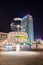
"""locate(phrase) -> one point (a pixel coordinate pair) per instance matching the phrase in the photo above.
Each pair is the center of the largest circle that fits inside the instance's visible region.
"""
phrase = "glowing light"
(18, 26)
(18, 47)
(24, 17)
(22, 53)
(20, 19)
(18, 36)
(30, 17)
(8, 47)
(12, 24)
(40, 40)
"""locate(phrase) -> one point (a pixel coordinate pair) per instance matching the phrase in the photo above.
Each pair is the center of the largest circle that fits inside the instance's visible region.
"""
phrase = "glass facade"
(27, 26)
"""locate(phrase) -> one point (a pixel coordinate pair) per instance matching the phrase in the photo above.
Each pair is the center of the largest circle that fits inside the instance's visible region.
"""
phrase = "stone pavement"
(23, 58)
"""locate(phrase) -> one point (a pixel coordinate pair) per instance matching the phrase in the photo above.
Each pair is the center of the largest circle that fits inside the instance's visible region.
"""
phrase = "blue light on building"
(27, 25)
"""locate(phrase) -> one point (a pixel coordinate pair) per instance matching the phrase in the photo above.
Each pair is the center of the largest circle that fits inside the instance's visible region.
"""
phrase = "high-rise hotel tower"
(27, 26)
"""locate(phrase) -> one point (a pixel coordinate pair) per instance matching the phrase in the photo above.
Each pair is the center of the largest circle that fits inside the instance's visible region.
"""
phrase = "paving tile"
(6, 59)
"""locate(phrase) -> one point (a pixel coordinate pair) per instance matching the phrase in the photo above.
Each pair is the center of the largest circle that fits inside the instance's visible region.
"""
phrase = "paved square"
(21, 58)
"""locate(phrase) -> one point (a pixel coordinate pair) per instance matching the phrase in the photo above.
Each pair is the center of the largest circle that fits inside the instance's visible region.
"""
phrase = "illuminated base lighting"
(22, 53)
(9, 47)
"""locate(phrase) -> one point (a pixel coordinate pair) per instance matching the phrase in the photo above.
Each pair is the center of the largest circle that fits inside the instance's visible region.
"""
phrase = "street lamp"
(18, 26)
(18, 45)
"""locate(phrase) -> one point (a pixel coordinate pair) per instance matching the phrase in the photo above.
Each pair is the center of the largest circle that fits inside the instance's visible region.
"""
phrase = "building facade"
(27, 26)
(3, 36)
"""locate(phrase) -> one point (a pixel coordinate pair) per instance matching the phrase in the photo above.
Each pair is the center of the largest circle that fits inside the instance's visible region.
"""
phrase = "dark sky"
(12, 9)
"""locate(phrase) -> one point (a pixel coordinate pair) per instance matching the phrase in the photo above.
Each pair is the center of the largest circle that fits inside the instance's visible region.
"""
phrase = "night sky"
(16, 8)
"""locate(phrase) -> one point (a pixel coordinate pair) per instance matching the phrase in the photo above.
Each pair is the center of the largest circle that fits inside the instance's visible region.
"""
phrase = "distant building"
(14, 24)
(3, 36)
(21, 32)
(27, 26)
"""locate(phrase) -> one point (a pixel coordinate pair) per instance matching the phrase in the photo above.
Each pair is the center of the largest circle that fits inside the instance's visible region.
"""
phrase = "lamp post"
(18, 45)
(18, 26)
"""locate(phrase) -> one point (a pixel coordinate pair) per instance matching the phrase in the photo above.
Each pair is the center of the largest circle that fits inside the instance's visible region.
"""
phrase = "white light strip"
(20, 19)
